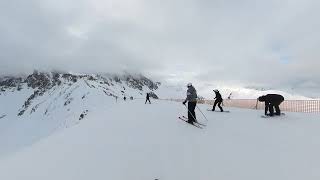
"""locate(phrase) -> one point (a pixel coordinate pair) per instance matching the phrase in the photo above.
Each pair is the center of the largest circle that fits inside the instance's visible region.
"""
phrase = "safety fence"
(306, 106)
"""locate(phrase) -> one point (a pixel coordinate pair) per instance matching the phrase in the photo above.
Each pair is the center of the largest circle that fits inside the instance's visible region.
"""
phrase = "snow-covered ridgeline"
(35, 106)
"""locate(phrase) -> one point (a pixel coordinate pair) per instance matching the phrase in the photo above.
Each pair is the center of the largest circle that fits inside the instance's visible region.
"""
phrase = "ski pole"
(202, 113)
(190, 113)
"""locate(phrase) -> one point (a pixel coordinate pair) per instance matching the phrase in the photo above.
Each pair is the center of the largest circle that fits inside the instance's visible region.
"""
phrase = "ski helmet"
(189, 84)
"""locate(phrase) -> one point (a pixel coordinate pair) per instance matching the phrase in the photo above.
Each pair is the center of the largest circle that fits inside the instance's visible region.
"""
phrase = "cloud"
(272, 43)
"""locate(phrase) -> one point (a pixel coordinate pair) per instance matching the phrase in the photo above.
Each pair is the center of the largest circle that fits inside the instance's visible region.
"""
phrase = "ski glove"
(184, 102)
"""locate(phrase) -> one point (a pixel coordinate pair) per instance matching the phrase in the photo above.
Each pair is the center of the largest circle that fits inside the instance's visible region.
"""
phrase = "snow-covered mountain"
(44, 94)
(35, 106)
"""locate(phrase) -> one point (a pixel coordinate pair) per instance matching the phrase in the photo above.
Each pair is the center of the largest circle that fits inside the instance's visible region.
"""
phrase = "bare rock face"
(10, 83)
(71, 77)
(138, 82)
(153, 95)
(41, 81)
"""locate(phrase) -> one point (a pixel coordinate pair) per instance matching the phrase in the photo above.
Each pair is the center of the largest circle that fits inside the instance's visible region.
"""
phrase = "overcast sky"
(273, 43)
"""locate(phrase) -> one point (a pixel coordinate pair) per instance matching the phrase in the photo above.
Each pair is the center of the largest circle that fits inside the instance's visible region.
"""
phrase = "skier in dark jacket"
(148, 98)
(272, 101)
(218, 101)
(192, 103)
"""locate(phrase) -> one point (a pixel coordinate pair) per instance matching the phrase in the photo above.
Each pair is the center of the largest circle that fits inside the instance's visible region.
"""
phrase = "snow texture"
(131, 140)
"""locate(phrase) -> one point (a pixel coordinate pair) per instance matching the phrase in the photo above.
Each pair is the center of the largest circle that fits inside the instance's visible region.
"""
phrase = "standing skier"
(192, 103)
(271, 101)
(218, 100)
(148, 98)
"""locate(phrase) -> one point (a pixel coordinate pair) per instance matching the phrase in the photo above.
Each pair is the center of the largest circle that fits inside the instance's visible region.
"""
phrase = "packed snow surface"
(137, 141)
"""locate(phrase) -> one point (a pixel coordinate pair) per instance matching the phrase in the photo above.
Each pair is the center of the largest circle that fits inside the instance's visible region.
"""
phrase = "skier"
(124, 98)
(192, 103)
(271, 101)
(229, 97)
(148, 98)
(218, 100)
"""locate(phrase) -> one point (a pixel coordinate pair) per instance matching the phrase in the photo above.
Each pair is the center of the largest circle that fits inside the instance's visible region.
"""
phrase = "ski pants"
(275, 106)
(191, 112)
(147, 101)
(217, 102)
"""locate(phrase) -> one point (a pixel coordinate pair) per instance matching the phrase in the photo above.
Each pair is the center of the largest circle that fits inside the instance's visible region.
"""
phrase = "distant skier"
(218, 100)
(271, 101)
(192, 103)
(148, 99)
(124, 98)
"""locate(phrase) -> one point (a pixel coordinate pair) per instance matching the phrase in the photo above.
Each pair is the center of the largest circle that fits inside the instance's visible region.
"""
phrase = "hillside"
(131, 140)
(34, 106)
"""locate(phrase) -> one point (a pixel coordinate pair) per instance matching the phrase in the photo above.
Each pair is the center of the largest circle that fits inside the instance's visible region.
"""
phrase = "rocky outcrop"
(10, 83)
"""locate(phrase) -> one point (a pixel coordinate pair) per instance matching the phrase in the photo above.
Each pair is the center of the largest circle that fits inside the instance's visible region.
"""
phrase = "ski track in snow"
(133, 140)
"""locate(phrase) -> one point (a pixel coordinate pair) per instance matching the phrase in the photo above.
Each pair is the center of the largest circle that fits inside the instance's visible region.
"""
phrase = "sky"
(265, 43)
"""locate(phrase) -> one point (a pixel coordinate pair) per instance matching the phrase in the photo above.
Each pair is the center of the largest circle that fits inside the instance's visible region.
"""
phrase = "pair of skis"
(196, 124)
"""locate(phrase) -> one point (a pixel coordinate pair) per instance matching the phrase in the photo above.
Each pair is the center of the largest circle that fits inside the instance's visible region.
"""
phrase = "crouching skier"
(271, 101)
(192, 103)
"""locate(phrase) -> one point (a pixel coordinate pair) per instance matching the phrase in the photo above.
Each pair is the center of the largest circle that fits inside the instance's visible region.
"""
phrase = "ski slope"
(131, 140)
(35, 107)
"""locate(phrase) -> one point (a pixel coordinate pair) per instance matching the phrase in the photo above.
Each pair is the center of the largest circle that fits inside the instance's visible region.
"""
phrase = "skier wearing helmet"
(192, 103)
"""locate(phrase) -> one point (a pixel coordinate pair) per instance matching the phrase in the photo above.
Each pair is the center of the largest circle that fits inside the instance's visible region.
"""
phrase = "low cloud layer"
(269, 43)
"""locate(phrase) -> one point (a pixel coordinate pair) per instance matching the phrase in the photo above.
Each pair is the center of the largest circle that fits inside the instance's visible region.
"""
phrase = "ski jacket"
(273, 99)
(218, 96)
(191, 94)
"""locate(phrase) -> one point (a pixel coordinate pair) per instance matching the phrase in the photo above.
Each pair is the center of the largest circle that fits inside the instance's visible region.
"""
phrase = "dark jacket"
(148, 96)
(218, 96)
(273, 99)
(191, 94)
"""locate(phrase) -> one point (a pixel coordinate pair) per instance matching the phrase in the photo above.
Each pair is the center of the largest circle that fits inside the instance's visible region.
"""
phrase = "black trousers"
(217, 102)
(147, 101)
(191, 112)
(275, 106)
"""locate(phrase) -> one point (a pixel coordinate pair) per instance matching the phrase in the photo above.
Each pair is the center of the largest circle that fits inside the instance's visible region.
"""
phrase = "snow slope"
(35, 106)
(131, 140)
